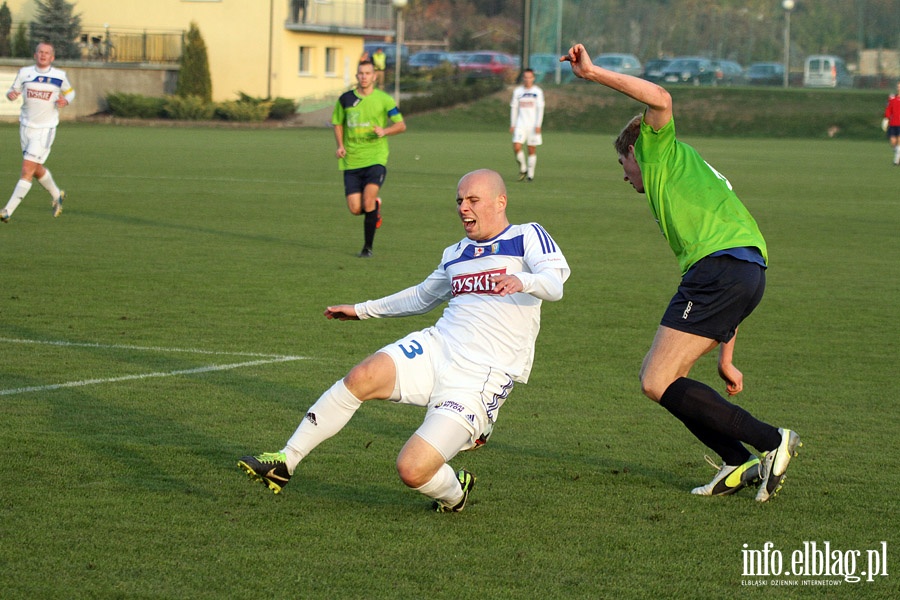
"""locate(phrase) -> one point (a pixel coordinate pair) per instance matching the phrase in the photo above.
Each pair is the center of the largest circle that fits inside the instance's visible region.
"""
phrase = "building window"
(304, 60)
(331, 57)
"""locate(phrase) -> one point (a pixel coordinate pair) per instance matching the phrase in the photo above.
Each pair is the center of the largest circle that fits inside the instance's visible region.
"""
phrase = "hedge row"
(194, 108)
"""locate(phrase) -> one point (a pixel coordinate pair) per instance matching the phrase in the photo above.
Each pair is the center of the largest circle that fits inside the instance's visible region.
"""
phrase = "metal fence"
(370, 14)
(123, 46)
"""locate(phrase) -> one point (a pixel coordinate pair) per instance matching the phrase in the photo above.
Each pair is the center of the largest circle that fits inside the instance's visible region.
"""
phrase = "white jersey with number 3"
(478, 323)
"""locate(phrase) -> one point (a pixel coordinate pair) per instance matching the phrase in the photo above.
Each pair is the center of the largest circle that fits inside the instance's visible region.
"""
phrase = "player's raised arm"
(657, 99)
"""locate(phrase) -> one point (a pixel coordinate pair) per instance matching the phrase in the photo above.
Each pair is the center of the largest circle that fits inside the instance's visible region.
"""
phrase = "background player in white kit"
(526, 116)
(46, 89)
(462, 368)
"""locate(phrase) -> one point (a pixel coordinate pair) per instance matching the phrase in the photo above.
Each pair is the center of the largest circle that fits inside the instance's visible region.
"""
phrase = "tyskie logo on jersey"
(40, 94)
(475, 283)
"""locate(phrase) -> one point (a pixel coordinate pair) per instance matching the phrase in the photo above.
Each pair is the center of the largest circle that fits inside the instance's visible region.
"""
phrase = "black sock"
(732, 451)
(701, 404)
(369, 221)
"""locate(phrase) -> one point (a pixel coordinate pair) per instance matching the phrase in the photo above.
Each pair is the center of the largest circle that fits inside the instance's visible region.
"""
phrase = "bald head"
(481, 204)
(486, 179)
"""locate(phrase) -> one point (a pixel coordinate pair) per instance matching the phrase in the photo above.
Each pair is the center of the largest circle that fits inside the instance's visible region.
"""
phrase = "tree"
(5, 30)
(21, 48)
(193, 76)
(56, 23)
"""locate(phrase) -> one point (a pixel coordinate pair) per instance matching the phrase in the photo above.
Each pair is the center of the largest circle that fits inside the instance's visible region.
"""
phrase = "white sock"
(326, 417)
(520, 158)
(49, 184)
(532, 161)
(444, 486)
(897, 154)
(22, 188)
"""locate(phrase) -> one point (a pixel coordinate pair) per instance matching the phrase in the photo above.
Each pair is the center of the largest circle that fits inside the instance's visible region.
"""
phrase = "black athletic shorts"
(715, 295)
(355, 180)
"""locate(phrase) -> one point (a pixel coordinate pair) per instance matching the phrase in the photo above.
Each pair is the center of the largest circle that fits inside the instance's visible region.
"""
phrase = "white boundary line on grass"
(264, 360)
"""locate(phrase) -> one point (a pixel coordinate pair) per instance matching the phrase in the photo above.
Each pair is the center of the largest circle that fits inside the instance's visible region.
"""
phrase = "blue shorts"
(355, 180)
(893, 131)
(715, 296)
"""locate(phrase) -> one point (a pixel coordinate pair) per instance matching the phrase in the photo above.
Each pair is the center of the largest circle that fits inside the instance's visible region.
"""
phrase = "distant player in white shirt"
(45, 89)
(462, 368)
(526, 115)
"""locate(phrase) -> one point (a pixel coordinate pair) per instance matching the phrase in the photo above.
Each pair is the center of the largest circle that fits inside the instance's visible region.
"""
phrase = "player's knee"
(411, 473)
(651, 387)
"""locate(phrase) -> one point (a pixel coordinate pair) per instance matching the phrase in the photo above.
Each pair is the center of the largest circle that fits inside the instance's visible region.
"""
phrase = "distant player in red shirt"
(891, 123)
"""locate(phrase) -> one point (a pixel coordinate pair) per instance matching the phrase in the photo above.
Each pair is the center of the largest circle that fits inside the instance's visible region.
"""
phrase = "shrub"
(240, 110)
(188, 108)
(135, 106)
(280, 108)
(283, 108)
(451, 91)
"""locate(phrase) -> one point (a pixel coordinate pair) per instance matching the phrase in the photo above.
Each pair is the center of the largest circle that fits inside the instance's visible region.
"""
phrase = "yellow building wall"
(250, 50)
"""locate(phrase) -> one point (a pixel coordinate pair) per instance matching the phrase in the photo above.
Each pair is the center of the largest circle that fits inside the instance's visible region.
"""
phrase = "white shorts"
(527, 136)
(429, 375)
(36, 142)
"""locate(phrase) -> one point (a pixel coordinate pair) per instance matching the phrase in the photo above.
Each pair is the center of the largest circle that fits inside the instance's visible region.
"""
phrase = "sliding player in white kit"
(462, 368)
(45, 89)
(526, 116)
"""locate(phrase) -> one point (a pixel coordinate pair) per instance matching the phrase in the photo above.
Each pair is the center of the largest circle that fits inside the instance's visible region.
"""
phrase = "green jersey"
(360, 115)
(696, 209)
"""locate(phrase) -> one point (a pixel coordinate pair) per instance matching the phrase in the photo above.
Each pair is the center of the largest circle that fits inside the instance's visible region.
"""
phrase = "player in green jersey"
(362, 119)
(723, 260)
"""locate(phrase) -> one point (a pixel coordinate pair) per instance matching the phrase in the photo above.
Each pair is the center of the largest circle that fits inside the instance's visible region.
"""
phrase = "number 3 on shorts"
(416, 349)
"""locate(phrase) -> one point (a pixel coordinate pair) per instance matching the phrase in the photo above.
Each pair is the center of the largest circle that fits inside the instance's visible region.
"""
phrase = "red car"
(488, 63)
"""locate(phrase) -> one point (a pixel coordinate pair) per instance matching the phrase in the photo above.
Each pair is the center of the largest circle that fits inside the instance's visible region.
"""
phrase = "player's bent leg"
(422, 464)
(370, 197)
(671, 356)
(373, 378)
(354, 203)
(417, 465)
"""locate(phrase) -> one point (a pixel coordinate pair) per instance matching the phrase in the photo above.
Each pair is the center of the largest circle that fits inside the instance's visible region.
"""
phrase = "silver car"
(620, 63)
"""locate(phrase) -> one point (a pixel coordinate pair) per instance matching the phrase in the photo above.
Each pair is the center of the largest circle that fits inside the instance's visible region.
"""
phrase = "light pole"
(398, 55)
(559, 9)
(788, 6)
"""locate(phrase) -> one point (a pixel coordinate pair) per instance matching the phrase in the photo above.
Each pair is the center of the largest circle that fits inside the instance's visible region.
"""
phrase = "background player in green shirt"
(362, 119)
(723, 260)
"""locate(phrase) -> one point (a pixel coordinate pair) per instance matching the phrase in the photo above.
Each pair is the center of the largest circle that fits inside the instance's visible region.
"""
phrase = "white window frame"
(332, 55)
(304, 60)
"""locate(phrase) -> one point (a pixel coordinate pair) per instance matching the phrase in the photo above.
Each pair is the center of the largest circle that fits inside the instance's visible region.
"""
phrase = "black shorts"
(715, 295)
(355, 180)
(893, 131)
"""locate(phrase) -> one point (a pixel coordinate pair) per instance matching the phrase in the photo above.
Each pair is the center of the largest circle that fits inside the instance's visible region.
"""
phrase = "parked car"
(620, 63)
(653, 69)
(488, 63)
(765, 74)
(459, 57)
(824, 70)
(728, 72)
(545, 65)
(688, 69)
(428, 59)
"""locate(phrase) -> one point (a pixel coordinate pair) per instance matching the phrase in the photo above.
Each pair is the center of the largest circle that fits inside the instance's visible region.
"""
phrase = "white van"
(824, 70)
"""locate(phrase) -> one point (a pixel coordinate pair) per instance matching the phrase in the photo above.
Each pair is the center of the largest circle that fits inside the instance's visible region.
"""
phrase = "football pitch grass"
(170, 321)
